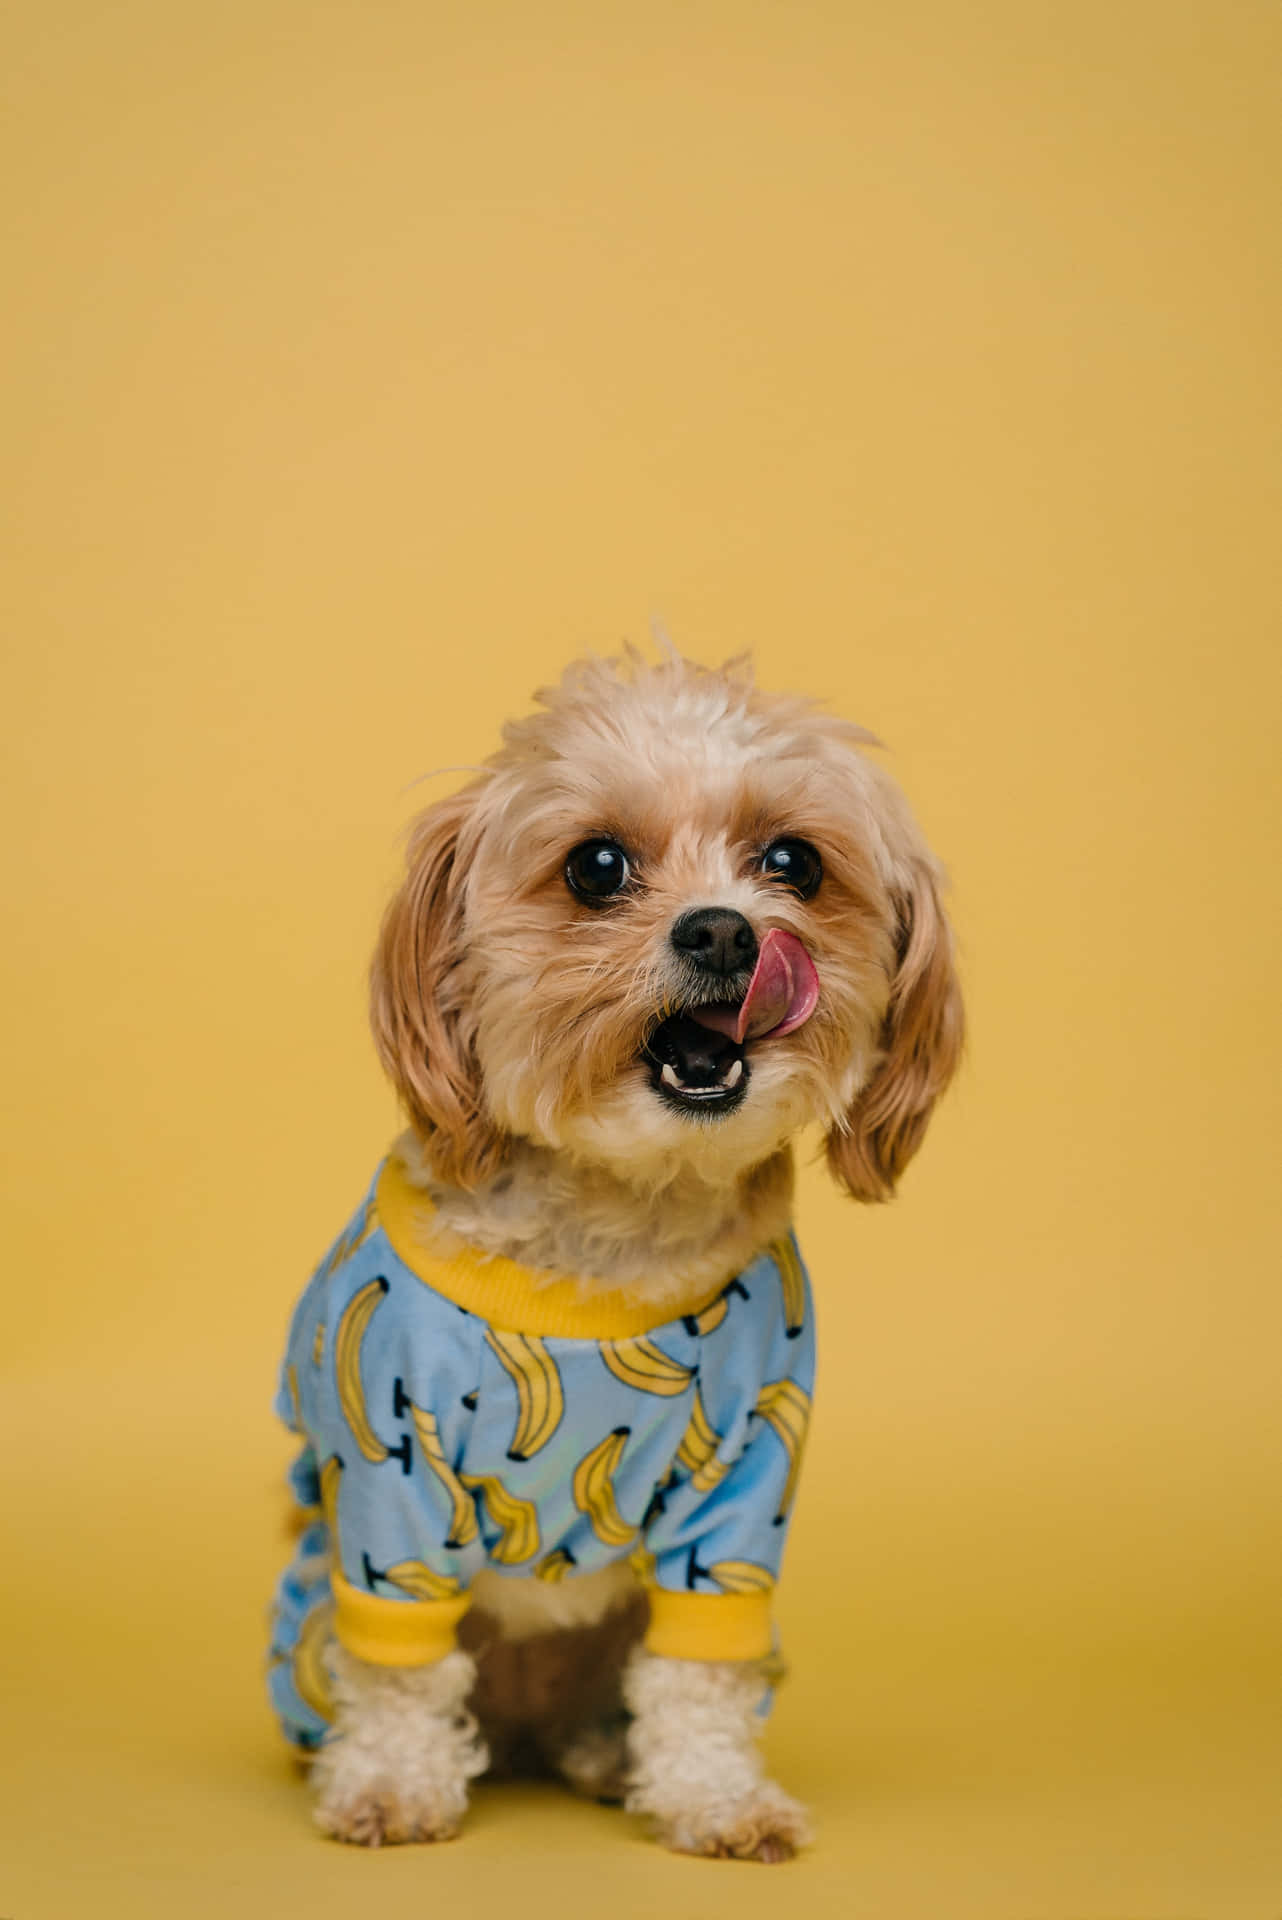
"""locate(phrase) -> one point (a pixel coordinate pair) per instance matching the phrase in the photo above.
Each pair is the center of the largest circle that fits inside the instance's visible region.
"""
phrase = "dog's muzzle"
(698, 1057)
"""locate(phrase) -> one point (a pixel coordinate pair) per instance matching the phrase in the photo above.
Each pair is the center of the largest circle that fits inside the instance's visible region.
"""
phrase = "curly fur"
(505, 1012)
(402, 1750)
(511, 1020)
(694, 1763)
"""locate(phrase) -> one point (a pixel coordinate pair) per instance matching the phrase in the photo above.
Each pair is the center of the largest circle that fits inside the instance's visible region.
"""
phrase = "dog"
(553, 1379)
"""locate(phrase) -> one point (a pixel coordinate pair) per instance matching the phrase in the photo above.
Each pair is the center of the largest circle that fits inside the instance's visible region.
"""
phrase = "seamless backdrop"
(364, 364)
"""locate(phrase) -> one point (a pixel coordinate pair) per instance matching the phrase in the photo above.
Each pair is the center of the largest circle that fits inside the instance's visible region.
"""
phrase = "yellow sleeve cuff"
(395, 1633)
(709, 1626)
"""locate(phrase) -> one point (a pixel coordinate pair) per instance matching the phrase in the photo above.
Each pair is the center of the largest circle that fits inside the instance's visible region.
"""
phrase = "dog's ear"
(418, 1002)
(921, 1042)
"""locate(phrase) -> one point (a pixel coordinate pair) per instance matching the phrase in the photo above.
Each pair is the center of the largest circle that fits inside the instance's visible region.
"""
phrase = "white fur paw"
(696, 1769)
(387, 1795)
(765, 1824)
(378, 1812)
(396, 1767)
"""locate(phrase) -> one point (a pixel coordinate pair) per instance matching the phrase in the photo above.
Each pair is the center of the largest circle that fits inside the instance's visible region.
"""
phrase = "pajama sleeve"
(372, 1380)
(715, 1542)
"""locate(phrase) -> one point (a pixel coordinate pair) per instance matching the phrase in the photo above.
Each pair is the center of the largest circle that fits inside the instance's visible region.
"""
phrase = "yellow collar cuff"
(512, 1298)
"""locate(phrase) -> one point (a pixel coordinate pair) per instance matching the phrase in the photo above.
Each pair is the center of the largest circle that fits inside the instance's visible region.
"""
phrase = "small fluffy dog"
(553, 1379)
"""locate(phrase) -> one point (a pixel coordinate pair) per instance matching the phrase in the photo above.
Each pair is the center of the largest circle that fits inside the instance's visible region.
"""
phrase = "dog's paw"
(766, 1825)
(376, 1811)
(396, 1767)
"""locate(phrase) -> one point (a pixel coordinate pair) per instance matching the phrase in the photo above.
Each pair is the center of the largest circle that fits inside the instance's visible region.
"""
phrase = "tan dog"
(674, 920)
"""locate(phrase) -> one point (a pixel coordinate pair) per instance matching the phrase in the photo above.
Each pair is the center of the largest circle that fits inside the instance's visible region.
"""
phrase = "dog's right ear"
(418, 1004)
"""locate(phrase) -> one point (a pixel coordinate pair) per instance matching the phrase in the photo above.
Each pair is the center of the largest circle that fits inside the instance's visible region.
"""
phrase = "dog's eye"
(596, 871)
(795, 863)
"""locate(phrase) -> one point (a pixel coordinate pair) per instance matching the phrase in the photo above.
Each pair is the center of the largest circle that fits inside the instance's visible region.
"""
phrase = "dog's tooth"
(669, 1078)
(735, 1074)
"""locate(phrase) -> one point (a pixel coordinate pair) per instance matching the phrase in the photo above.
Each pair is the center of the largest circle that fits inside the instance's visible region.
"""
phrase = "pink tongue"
(782, 994)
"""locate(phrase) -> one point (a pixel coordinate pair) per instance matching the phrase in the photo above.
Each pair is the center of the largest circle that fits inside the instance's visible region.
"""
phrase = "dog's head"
(675, 919)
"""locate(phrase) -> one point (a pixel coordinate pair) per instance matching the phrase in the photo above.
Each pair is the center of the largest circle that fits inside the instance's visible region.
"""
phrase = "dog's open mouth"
(694, 1068)
(697, 1056)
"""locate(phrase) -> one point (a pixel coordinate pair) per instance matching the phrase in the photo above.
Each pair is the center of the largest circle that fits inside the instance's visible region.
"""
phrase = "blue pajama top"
(460, 1411)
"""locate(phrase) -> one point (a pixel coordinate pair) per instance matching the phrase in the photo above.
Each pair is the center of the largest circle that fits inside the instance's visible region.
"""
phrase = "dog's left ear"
(921, 1043)
(418, 1003)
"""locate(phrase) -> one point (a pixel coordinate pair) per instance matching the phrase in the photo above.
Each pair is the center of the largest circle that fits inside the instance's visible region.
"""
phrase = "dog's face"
(675, 919)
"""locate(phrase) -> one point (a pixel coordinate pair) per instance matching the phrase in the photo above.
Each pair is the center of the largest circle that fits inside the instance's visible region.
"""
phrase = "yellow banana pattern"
(330, 1475)
(698, 1450)
(675, 1409)
(295, 1404)
(594, 1489)
(643, 1564)
(710, 1319)
(784, 1255)
(555, 1566)
(641, 1364)
(356, 1236)
(518, 1519)
(741, 1576)
(462, 1524)
(348, 1336)
(785, 1407)
(415, 1577)
(540, 1400)
(311, 1676)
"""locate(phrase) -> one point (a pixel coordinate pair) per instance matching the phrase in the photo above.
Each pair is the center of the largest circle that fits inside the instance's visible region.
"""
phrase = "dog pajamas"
(460, 1412)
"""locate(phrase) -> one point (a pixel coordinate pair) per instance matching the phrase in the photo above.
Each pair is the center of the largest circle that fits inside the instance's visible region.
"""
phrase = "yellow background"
(367, 362)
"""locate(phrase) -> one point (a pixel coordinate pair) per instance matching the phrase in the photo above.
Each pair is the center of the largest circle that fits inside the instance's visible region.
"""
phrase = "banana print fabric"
(436, 1443)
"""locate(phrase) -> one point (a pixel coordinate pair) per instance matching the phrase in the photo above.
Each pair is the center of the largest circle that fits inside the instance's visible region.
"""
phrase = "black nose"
(716, 939)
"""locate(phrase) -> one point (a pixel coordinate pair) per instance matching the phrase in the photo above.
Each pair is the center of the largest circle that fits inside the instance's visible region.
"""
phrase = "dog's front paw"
(404, 1747)
(765, 1824)
(359, 1800)
(695, 1766)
